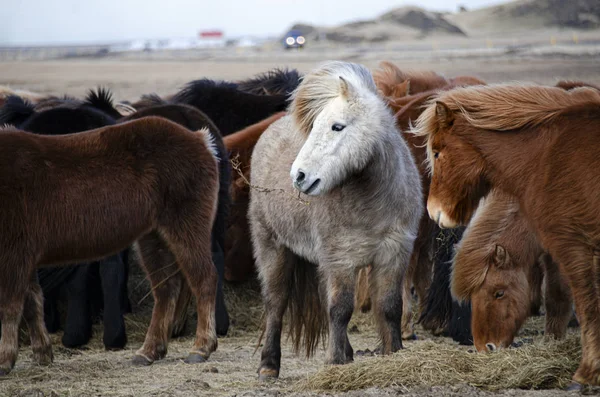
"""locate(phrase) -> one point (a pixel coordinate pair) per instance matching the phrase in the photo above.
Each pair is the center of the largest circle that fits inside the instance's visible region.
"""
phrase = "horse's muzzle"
(305, 183)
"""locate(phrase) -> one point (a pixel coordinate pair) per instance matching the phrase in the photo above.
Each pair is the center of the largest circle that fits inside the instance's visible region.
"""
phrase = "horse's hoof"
(267, 374)
(4, 371)
(574, 386)
(365, 353)
(195, 358)
(141, 361)
(412, 336)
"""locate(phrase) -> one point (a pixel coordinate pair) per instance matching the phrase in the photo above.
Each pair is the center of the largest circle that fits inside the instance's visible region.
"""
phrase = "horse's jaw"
(439, 216)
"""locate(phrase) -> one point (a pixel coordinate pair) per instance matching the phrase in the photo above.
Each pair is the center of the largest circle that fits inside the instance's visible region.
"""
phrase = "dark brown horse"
(194, 120)
(149, 180)
(538, 144)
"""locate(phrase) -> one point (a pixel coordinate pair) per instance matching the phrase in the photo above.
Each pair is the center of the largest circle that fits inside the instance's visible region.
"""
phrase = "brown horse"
(497, 267)
(239, 263)
(150, 181)
(395, 83)
(538, 144)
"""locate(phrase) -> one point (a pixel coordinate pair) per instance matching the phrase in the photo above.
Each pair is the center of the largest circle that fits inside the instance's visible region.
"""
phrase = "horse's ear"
(501, 257)
(346, 88)
(444, 115)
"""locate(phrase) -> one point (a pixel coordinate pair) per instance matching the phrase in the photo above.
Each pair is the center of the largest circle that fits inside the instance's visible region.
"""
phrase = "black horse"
(442, 312)
(273, 82)
(224, 103)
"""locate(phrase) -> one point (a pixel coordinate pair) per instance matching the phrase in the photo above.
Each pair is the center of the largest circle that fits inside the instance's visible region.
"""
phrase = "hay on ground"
(540, 365)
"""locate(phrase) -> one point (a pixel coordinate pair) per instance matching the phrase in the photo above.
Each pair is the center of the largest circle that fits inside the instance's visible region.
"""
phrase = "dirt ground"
(231, 370)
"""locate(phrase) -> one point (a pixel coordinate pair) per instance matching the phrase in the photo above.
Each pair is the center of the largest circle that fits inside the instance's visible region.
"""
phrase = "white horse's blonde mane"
(321, 86)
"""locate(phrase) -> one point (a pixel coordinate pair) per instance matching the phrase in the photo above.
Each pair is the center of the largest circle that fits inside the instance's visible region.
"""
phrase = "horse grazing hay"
(540, 365)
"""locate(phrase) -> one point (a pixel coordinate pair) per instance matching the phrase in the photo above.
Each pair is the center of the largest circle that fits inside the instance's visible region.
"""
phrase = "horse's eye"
(337, 127)
(436, 155)
(499, 294)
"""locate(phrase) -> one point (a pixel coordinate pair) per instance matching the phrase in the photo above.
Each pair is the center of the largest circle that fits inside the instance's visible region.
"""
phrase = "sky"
(31, 22)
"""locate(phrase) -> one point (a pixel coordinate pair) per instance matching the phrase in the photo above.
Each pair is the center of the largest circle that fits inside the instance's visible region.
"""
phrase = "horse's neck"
(382, 177)
(510, 157)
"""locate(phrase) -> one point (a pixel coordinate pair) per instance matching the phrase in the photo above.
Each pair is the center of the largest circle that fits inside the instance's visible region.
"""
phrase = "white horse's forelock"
(322, 85)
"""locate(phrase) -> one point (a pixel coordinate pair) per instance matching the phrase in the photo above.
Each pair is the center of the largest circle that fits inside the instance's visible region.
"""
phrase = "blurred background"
(141, 46)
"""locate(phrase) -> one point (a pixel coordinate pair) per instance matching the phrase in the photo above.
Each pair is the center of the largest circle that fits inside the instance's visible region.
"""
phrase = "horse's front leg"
(558, 300)
(387, 284)
(275, 275)
(112, 273)
(578, 266)
(33, 314)
(78, 327)
(221, 314)
(340, 304)
(12, 299)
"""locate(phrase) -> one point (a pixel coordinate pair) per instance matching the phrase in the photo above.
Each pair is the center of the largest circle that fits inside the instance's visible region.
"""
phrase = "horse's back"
(103, 187)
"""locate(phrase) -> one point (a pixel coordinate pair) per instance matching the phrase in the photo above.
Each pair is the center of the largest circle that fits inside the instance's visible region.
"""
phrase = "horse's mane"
(273, 82)
(388, 75)
(322, 85)
(16, 110)
(478, 244)
(102, 99)
(196, 88)
(505, 107)
(57, 101)
(571, 84)
(6, 91)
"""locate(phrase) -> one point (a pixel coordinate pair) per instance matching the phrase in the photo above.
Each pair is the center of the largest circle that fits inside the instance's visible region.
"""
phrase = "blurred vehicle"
(294, 39)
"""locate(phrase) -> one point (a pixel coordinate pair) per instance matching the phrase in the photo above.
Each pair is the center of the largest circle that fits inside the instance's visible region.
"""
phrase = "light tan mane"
(502, 107)
(322, 85)
(478, 244)
(505, 107)
(6, 91)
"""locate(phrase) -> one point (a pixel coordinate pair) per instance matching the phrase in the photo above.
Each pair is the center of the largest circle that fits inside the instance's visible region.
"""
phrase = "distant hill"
(415, 23)
(401, 23)
(530, 14)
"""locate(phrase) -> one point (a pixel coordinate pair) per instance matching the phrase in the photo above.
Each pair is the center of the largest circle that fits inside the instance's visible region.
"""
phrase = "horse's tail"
(16, 110)
(180, 316)
(307, 314)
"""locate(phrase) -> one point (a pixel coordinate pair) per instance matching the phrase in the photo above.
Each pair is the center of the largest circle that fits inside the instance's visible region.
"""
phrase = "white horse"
(365, 202)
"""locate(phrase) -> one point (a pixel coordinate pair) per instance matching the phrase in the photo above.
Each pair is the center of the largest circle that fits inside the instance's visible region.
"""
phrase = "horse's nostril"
(490, 346)
(300, 177)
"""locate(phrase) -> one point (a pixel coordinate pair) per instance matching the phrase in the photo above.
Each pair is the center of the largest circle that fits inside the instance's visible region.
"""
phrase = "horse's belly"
(92, 229)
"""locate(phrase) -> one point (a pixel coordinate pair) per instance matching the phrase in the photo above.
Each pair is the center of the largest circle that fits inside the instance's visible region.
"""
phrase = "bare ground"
(231, 370)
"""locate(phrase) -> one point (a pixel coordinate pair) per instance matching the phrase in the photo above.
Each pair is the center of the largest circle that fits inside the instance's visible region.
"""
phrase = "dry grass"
(540, 365)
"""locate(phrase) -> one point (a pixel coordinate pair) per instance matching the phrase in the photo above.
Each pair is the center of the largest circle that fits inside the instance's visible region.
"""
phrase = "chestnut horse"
(158, 187)
(239, 263)
(538, 144)
(497, 266)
